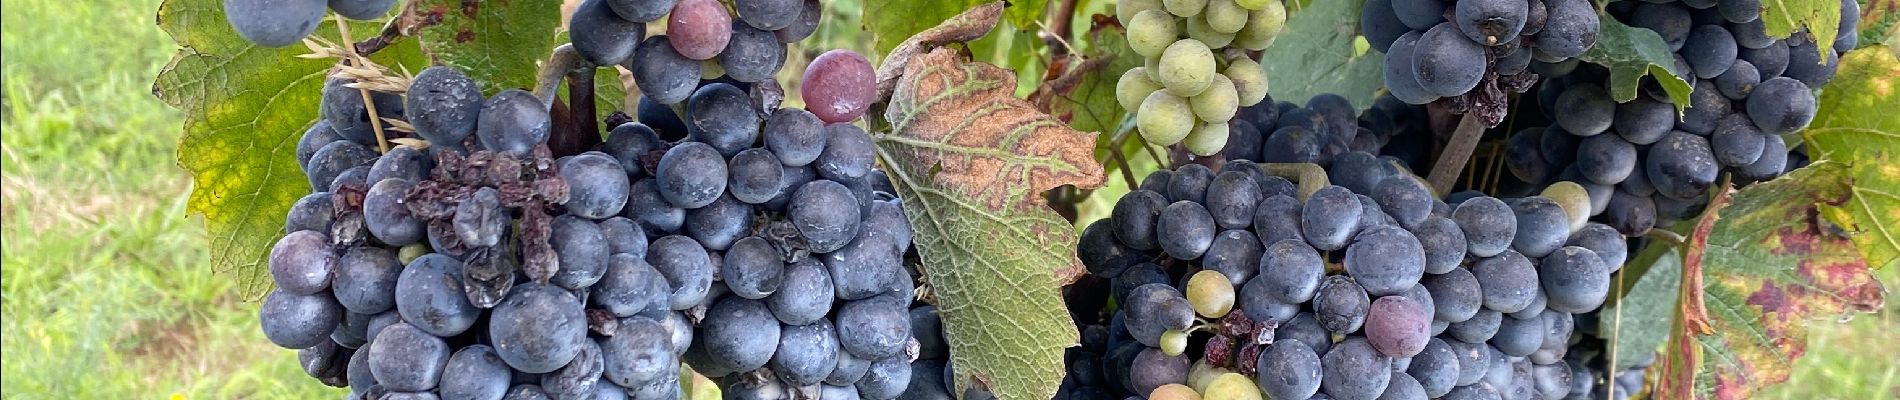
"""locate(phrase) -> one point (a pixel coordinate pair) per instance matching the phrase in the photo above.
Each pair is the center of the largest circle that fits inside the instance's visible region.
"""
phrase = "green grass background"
(105, 287)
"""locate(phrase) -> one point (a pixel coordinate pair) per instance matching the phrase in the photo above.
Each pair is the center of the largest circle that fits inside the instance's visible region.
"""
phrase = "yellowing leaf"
(1856, 126)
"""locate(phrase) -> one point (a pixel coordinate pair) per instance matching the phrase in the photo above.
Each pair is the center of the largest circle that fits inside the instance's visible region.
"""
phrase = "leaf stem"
(369, 104)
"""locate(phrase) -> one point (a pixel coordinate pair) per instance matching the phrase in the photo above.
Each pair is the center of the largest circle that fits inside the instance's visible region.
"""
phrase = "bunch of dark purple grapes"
(1475, 53)
(1219, 281)
(1645, 164)
(761, 247)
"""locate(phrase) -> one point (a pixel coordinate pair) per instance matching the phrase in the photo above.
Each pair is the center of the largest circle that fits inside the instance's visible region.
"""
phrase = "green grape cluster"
(1197, 71)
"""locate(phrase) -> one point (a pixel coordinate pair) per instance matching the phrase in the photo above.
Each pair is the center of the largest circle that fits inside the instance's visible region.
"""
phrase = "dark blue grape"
(1354, 370)
(303, 262)
(753, 54)
(639, 353)
(404, 358)
(1231, 199)
(1575, 279)
(752, 268)
(848, 154)
(815, 211)
(333, 159)
(274, 23)
(687, 267)
(1436, 369)
(1385, 260)
(1488, 224)
(662, 73)
(514, 122)
(1235, 254)
(755, 176)
(1419, 15)
(873, 328)
(1508, 281)
(1477, 330)
(1341, 304)
(721, 115)
(577, 379)
(805, 296)
(719, 224)
(795, 135)
(297, 321)
(538, 328)
(1330, 217)
(807, 23)
(1447, 63)
(1571, 27)
(630, 287)
(475, 372)
(739, 334)
(885, 379)
(651, 210)
(444, 105)
(597, 186)
(806, 354)
(629, 143)
(1491, 22)
(1282, 213)
(1710, 50)
(1456, 294)
(581, 249)
(1443, 242)
(1682, 165)
(429, 294)
(691, 175)
(1290, 370)
(601, 35)
(366, 280)
(641, 10)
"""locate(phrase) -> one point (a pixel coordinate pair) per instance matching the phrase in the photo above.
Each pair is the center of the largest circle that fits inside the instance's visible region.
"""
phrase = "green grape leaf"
(892, 22)
(971, 162)
(1632, 53)
(1315, 54)
(1637, 322)
(245, 107)
(495, 43)
(1821, 18)
(1771, 266)
(1855, 125)
(1091, 105)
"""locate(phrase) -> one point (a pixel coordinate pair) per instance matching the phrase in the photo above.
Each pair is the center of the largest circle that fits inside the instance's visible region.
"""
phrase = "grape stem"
(1310, 176)
(375, 121)
(392, 31)
(565, 63)
(1452, 160)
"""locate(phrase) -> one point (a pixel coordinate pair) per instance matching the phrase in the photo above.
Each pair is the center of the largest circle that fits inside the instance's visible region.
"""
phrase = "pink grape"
(839, 86)
(699, 29)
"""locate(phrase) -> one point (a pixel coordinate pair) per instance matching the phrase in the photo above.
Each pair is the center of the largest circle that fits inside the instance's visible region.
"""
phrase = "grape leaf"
(1315, 54)
(1770, 267)
(1637, 322)
(1091, 106)
(1631, 53)
(971, 162)
(1855, 126)
(892, 22)
(496, 43)
(245, 107)
(1821, 18)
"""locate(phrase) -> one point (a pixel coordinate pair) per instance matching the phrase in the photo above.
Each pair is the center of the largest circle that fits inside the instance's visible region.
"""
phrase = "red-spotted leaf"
(971, 162)
(1771, 267)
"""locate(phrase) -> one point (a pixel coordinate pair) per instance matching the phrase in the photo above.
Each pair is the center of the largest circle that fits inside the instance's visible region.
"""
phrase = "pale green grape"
(1174, 391)
(1225, 16)
(1184, 8)
(1202, 374)
(1232, 386)
(1574, 200)
(1263, 26)
(1125, 10)
(1211, 294)
(1218, 103)
(1207, 139)
(1164, 119)
(1255, 4)
(1250, 80)
(1151, 32)
(1134, 86)
(1198, 29)
(1173, 342)
(1187, 67)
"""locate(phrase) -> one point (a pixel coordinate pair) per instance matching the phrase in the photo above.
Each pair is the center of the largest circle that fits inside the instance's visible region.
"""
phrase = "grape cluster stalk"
(495, 252)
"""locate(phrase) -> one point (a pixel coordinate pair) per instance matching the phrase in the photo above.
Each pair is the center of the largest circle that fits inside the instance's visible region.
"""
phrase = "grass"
(107, 289)
(105, 286)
